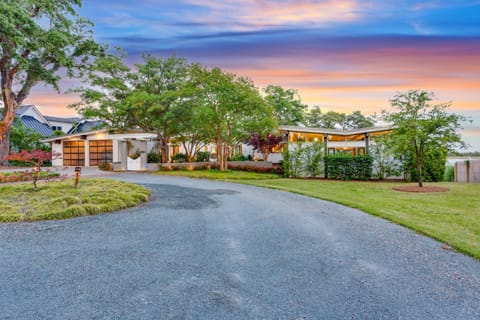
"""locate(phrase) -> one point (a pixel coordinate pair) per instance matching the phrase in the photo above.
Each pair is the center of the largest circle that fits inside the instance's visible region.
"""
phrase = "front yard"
(59, 200)
(451, 217)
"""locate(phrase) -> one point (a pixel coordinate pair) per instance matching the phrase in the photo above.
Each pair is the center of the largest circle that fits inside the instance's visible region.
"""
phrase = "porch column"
(367, 142)
(325, 140)
(87, 153)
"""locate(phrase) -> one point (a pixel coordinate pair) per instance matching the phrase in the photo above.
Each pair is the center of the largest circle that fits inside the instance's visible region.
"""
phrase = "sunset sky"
(341, 55)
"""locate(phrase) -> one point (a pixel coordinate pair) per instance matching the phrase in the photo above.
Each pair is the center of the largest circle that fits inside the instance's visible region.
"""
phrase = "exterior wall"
(467, 171)
(57, 152)
(65, 125)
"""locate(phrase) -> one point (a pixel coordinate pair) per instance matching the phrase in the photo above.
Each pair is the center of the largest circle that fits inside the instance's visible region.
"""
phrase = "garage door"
(101, 151)
(74, 153)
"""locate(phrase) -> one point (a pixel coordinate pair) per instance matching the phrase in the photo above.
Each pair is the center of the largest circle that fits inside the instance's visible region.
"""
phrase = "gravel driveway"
(212, 250)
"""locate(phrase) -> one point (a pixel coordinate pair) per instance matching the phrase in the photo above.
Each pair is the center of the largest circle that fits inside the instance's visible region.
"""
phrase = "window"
(101, 151)
(361, 151)
(74, 153)
(56, 128)
(331, 151)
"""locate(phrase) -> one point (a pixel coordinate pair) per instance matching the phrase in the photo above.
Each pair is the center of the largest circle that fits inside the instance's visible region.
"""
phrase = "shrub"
(238, 157)
(179, 158)
(202, 156)
(347, 167)
(105, 166)
(153, 157)
(449, 174)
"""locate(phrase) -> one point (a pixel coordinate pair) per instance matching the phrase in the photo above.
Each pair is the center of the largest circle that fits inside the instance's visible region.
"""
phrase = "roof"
(35, 125)
(131, 134)
(22, 109)
(335, 131)
(63, 119)
(86, 126)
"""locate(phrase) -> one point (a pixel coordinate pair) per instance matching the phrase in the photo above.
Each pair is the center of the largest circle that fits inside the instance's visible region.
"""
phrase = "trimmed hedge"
(346, 167)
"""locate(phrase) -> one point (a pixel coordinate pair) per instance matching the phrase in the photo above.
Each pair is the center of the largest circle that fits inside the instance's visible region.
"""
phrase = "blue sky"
(341, 55)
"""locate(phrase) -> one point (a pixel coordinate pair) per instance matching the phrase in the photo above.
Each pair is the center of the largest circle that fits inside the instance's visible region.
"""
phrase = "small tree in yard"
(264, 144)
(385, 162)
(38, 157)
(421, 128)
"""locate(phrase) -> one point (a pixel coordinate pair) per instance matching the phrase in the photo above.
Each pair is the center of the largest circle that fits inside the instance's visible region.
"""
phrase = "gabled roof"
(35, 125)
(63, 119)
(335, 131)
(23, 110)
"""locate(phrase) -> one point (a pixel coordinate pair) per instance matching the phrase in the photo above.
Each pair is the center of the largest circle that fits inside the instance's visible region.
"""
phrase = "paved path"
(212, 250)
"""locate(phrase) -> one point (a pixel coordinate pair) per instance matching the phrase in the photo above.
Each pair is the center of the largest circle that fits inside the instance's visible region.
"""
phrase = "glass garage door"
(101, 151)
(73, 153)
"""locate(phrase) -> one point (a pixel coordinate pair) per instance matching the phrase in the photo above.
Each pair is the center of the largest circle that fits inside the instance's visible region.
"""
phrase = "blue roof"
(35, 125)
(86, 126)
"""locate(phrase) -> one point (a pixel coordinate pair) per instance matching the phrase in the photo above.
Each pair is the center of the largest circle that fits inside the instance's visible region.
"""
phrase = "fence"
(467, 171)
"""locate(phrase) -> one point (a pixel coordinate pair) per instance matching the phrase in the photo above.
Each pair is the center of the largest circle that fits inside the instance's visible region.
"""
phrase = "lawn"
(451, 217)
(59, 200)
(213, 174)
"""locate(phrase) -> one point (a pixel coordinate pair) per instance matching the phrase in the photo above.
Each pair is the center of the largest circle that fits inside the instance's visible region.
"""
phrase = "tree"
(22, 138)
(313, 117)
(146, 97)
(356, 120)
(230, 107)
(385, 162)
(287, 106)
(421, 127)
(264, 143)
(38, 39)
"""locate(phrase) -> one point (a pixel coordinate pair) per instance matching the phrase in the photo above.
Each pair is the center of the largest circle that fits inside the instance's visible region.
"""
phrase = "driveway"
(212, 250)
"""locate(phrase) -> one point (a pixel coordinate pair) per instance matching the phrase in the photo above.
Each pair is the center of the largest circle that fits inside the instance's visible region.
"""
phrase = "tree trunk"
(226, 153)
(419, 168)
(220, 154)
(5, 148)
(164, 152)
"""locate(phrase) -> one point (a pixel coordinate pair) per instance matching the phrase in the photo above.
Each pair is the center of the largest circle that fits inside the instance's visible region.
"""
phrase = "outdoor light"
(77, 172)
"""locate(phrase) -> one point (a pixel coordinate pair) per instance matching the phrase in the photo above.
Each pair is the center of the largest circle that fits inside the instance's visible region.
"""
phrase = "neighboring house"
(61, 123)
(86, 126)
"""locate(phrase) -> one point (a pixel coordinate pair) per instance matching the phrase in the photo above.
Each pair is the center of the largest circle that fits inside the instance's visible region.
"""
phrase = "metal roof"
(86, 126)
(35, 125)
(63, 119)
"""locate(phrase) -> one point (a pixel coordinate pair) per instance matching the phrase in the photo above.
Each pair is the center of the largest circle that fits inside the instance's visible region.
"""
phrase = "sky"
(340, 55)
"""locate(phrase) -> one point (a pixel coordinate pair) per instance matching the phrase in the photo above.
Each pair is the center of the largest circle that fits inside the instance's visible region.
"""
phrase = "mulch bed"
(424, 189)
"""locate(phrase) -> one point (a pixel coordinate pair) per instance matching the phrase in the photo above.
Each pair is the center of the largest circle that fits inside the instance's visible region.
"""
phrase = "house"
(354, 142)
(61, 123)
(100, 146)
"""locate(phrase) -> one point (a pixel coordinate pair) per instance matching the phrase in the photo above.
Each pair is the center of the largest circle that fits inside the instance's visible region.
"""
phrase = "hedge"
(346, 167)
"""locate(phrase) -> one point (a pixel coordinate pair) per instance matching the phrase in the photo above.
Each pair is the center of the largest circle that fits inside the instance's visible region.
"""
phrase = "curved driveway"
(212, 250)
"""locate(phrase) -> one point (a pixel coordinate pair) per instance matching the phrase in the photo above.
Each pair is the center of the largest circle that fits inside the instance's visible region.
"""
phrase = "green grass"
(59, 200)
(213, 174)
(451, 217)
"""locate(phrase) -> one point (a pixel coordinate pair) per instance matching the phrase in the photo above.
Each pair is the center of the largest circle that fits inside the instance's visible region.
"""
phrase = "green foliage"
(202, 156)
(238, 157)
(385, 162)
(335, 120)
(153, 157)
(302, 159)
(215, 174)
(179, 157)
(22, 138)
(449, 174)
(59, 200)
(422, 129)
(38, 39)
(345, 167)
(286, 103)
(434, 164)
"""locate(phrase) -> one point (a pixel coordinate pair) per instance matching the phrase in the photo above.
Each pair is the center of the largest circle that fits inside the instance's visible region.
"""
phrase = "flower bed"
(25, 175)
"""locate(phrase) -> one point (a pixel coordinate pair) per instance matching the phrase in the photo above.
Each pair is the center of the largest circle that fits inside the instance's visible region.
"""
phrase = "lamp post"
(36, 175)
(77, 172)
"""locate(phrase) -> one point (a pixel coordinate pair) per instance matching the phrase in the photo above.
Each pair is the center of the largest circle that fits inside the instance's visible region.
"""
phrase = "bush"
(449, 174)
(202, 156)
(179, 158)
(347, 167)
(434, 163)
(303, 159)
(238, 157)
(153, 157)
(250, 168)
(106, 166)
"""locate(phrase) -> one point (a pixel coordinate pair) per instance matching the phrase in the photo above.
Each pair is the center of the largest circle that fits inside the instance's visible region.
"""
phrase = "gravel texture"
(212, 250)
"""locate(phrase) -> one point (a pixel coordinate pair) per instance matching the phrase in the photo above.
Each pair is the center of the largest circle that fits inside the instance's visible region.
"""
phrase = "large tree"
(39, 38)
(230, 108)
(337, 120)
(421, 127)
(287, 106)
(146, 97)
